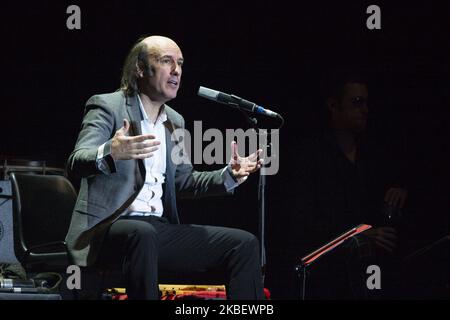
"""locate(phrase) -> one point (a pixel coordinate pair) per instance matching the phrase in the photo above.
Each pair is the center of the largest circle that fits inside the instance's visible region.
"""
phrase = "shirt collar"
(162, 112)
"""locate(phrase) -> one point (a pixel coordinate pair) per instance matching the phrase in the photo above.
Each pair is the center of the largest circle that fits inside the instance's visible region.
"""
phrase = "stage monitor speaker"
(7, 254)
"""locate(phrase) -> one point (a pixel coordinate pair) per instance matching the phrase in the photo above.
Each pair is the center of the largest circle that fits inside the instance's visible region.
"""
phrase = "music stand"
(307, 260)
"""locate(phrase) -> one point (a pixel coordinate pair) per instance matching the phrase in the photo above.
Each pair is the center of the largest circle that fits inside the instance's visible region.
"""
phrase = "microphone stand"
(262, 184)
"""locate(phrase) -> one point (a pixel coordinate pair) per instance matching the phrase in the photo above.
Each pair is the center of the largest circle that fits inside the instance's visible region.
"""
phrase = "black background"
(270, 52)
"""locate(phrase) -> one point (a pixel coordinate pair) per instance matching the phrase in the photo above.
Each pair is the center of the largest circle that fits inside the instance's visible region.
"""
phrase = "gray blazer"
(104, 197)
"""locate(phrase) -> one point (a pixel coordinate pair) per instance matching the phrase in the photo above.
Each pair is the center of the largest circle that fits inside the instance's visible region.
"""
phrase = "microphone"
(235, 102)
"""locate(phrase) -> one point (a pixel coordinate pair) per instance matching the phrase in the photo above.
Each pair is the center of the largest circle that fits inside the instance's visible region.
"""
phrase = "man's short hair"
(336, 80)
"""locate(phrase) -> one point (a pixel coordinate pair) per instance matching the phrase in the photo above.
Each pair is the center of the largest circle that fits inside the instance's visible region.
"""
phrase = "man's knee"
(248, 243)
(144, 233)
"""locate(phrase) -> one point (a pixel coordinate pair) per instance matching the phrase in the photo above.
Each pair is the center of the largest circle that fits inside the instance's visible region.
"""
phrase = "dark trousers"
(142, 245)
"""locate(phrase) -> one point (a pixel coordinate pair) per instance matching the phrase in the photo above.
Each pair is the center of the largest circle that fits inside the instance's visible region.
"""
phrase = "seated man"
(126, 211)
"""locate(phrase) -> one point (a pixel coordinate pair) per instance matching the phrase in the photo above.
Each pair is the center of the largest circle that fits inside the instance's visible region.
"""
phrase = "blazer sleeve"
(97, 128)
(190, 183)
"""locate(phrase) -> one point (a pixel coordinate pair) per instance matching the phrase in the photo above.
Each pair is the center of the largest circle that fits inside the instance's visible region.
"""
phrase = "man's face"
(166, 61)
(351, 110)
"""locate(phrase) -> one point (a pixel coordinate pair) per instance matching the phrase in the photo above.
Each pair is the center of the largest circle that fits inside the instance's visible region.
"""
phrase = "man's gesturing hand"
(396, 197)
(242, 167)
(124, 147)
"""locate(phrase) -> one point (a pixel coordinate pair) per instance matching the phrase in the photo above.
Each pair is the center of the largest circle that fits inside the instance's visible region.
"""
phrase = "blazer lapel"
(169, 194)
(135, 116)
(170, 166)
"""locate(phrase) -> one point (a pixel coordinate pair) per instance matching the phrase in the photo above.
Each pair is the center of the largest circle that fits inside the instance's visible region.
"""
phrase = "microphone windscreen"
(208, 93)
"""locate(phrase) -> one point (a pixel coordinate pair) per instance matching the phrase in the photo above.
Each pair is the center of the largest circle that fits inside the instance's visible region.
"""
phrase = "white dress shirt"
(149, 200)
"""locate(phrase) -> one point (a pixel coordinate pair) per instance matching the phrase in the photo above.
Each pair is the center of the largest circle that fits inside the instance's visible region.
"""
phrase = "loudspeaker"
(7, 254)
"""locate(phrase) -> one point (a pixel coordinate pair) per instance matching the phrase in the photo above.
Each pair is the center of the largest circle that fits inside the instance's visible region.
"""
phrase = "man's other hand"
(384, 237)
(396, 197)
(242, 167)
